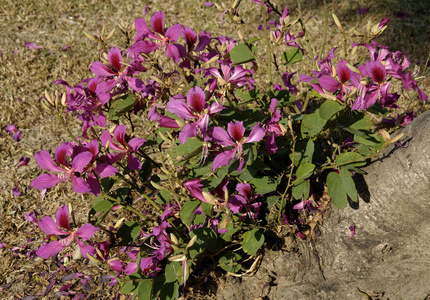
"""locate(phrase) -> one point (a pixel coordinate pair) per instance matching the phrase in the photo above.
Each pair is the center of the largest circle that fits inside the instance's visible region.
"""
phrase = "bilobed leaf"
(352, 159)
(172, 271)
(129, 232)
(101, 209)
(349, 184)
(301, 189)
(252, 241)
(230, 262)
(187, 211)
(304, 170)
(264, 185)
(329, 108)
(206, 240)
(144, 291)
(312, 124)
(358, 121)
(336, 190)
(169, 291)
(240, 54)
(292, 56)
(121, 106)
(247, 95)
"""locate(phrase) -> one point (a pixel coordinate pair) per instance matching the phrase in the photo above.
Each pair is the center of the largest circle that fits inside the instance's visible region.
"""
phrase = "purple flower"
(124, 149)
(234, 77)
(245, 201)
(352, 229)
(14, 132)
(147, 40)
(16, 191)
(273, 129)
(362, 11)
(32, 46)
(64, 167)
(67, 236)
(197, 110)
(234, 137)
(23, 161)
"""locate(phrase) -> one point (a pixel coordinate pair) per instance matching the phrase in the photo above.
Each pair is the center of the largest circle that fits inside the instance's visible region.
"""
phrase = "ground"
(66, 53)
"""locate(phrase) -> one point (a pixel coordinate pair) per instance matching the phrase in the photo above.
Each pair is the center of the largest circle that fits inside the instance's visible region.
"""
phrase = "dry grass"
(25, 74)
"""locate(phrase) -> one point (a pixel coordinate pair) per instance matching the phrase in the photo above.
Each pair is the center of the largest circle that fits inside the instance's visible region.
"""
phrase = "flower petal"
(45, 181)
(86, 231)
(174, 32)
(49, 227)
(135, 143)
(157, 22)
(51, 249)
(44, 160)
(256, 135)
(81, 161)
(221, 137)
(105, 170)
(100, 69)
(80, 185)
(180, 109)
(236, 130)
(196, 99)
(223, 159)
(133, 163)
(62, 217)
(114, 58)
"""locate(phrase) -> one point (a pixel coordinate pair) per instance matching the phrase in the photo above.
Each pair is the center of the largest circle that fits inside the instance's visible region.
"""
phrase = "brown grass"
(25, 74)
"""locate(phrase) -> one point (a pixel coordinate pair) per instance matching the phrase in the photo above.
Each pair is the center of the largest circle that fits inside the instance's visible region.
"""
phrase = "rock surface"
(389, 255)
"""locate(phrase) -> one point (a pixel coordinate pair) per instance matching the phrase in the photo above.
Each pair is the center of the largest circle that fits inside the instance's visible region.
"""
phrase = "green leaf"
(240, 54)
(292, 56)
(264, 185)
(100, 209)
(301, 189)
(207, 209)
(336, 190)
(247, 95)
(358, 121)
(191, 148)
(304, 170)
(187, 211)
(129, 231)
(121, 106)
(173, 271)
(329, 109)
(312, 124)
(375, 141)
(349, 184)
(144, 291)
(107, 183)
(129, 287)
(230, 262)
(130, 283)
(169, 291)
(252, 241)
(146, 171)
(352, 159)
(206, 240)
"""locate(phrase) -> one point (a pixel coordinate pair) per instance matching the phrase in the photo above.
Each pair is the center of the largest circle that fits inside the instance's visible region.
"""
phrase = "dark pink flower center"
(236, 132)
(197, 103)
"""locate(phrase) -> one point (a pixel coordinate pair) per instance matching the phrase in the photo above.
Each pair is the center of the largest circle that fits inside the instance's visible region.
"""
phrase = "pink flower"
(245, 201)
(234, 138)
(147, 40)
(197, 110)
(67, 236)
(32, 46)
(124, 148)
(64, 167)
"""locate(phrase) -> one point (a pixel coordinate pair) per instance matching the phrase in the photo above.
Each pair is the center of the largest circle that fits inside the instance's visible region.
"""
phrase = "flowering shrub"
(208, 160)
